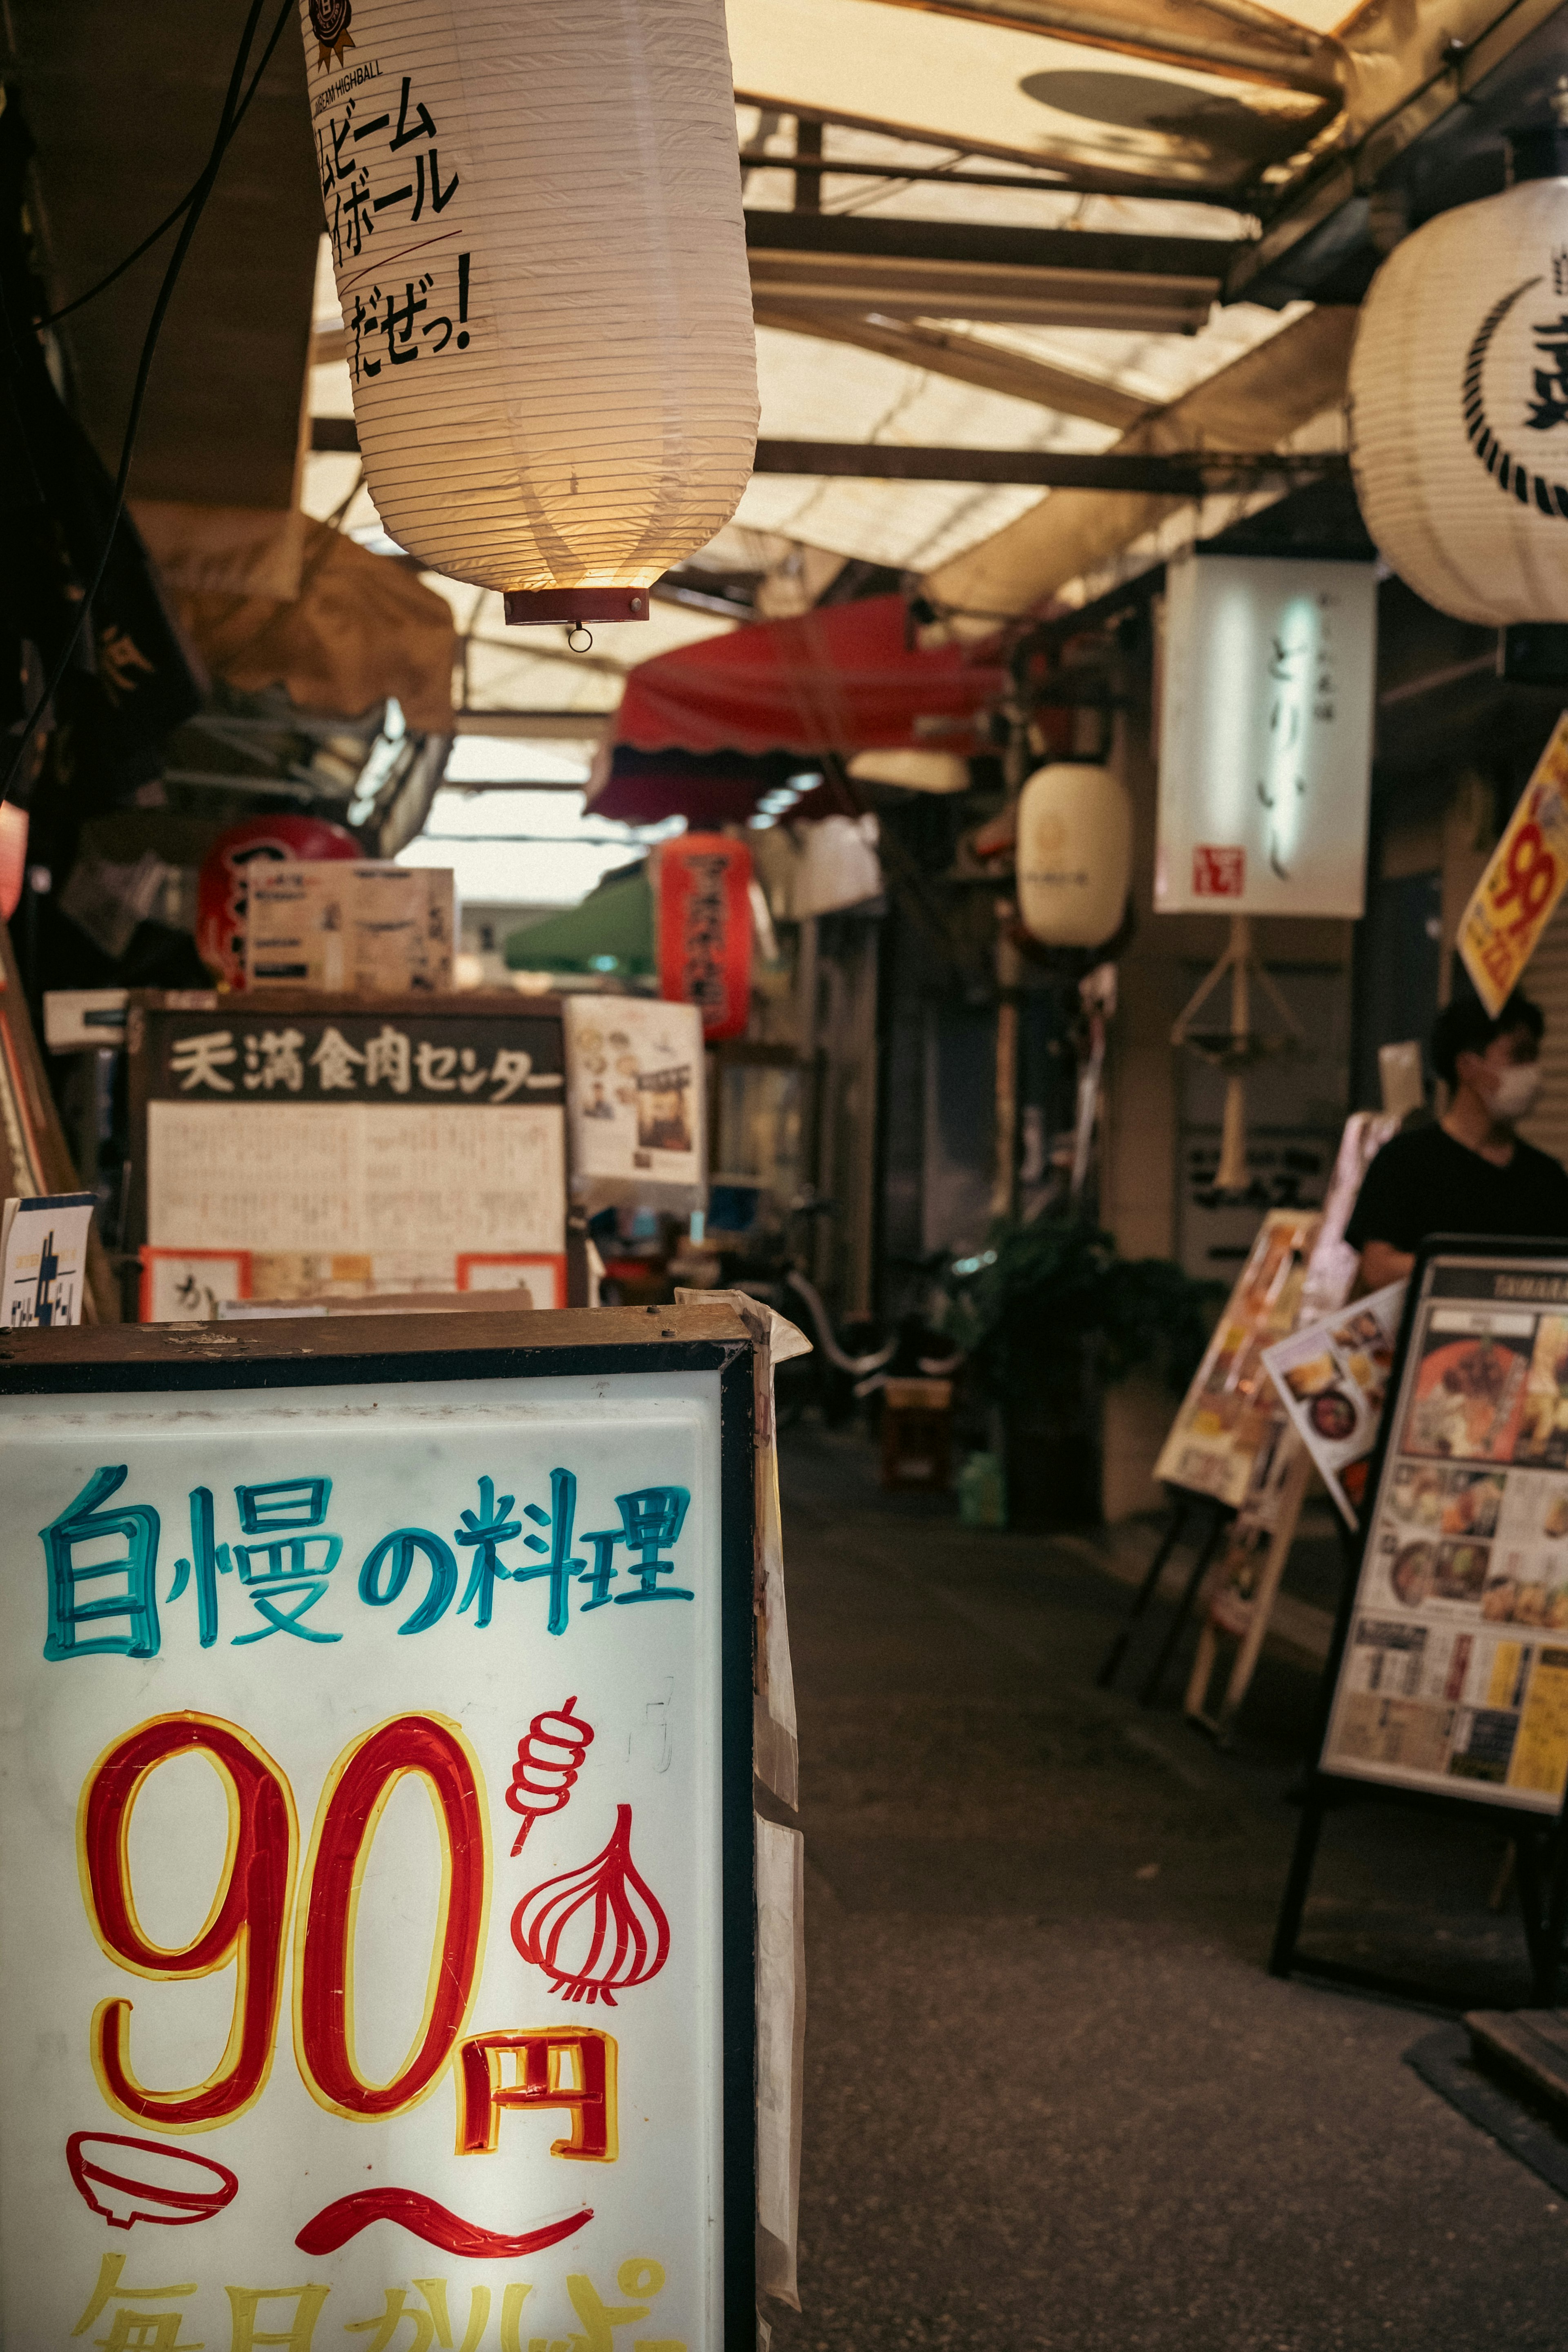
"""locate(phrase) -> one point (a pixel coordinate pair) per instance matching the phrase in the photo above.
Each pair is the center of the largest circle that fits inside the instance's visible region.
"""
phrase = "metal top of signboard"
(316, 1350)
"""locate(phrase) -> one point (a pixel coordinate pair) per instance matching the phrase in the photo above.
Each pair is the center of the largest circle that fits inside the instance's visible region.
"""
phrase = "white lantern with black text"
(1074, 854)
(1459, 388)
(536, 226)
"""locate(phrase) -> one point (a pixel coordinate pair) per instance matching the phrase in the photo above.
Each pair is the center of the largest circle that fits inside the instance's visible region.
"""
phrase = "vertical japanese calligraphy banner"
(1267, 675)
(1528, 871)
(702, 896)
(376, 1870)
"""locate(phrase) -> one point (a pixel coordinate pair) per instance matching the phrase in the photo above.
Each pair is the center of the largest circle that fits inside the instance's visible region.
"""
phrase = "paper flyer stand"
(292, 1144)
(1448, 1680)
(1262, 1497)
(417, 1664)
(1229, 1445)
(636, 1103)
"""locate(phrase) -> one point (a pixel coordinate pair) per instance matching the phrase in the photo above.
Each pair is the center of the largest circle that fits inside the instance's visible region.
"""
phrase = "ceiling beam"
(1176, 474)
(1031, 183)
(968, 359)
(900, 288)
(1100, 252)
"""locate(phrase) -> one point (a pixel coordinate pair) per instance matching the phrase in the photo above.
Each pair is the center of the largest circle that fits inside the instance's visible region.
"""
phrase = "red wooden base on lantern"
(535, 608)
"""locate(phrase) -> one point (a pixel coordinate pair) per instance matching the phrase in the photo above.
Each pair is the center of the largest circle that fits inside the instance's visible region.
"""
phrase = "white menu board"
(363, 1865)
(1454, 1676)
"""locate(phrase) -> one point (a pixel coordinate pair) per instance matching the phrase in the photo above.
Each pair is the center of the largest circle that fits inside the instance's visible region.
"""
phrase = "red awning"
(840, 679)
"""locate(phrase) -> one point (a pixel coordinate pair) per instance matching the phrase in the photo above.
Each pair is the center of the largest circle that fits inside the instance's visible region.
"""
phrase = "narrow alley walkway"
(1053, 2098)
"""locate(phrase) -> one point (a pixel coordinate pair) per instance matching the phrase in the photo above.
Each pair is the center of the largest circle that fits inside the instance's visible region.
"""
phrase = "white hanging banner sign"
(1266, 736)
(365, 1866)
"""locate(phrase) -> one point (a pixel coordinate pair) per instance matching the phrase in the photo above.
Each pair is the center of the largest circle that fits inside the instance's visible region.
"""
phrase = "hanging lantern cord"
(572, 636)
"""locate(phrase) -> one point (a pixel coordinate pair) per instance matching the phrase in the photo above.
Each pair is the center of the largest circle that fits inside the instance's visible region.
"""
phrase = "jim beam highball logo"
(1543, 360)
(329, 21)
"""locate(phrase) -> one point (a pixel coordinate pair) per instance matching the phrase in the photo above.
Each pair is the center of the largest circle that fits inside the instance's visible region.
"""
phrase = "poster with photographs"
(634, 1102)
(1333, 1377)
(1455, 1671)
(1226, 1439)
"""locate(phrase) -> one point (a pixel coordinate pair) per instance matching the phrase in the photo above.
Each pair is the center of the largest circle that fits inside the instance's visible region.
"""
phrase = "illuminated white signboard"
(1266, 736)
(376, 1856)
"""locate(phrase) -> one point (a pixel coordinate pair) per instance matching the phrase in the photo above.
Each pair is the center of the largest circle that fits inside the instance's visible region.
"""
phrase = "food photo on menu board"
(1333, 1377)
(1455, 1672)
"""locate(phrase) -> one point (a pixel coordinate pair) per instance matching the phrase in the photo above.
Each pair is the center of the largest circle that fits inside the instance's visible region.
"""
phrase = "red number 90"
(246, 1923)
(248, 1920)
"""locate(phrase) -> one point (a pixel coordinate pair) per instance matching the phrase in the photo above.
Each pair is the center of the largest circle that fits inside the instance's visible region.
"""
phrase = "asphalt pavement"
(1053, 2097)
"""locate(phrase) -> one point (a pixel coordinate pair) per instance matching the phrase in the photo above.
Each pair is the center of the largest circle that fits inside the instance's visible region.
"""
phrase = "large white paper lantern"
(1458, 387)
(536, 226)
(1073, 860)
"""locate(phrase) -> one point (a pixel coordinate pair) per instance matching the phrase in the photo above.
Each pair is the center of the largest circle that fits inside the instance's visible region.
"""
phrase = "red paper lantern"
(702, 888)
(222, 894)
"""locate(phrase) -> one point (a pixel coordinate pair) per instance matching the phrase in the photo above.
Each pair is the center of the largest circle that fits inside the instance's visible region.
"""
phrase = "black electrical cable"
(52, 318)
(228, 123)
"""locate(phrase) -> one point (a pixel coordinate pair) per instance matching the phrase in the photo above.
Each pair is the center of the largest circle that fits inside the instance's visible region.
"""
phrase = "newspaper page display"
(1513, 901)
(1332, 1378)
(635, 1101)
(1455, 1672)
(363, 1865)
(1225, 1440)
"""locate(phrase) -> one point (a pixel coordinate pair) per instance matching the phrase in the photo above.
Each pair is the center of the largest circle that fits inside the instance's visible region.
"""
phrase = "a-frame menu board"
(1449, 1678)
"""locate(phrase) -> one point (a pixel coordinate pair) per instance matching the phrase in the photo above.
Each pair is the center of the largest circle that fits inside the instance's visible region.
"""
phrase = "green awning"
(611, 932)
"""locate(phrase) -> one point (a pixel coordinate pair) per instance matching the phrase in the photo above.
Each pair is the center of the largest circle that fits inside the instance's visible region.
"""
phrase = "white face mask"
(1516, 1092)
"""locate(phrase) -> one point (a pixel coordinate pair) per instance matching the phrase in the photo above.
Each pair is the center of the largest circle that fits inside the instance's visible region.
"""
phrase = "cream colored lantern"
(1074, 854)
(1459, 388)
(536, 226)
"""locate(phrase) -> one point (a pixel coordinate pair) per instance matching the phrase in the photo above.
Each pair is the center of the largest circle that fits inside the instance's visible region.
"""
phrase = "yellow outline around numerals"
(302, 1915)
(112, 2014)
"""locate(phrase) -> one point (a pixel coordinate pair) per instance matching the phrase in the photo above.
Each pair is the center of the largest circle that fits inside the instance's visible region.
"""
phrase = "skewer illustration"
(549, 1759)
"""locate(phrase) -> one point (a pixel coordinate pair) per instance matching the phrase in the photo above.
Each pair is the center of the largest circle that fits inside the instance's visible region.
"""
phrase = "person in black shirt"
(1469, 1174)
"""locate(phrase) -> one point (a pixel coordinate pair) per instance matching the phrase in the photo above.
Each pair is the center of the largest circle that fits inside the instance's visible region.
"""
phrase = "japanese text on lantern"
(1513, 901)
(381, 173)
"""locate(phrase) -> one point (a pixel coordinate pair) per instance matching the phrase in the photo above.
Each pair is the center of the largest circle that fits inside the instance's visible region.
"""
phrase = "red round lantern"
(221, 894)
(702, 885)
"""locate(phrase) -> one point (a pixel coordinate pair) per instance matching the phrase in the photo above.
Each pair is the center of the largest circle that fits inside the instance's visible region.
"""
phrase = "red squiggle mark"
(335, 2225)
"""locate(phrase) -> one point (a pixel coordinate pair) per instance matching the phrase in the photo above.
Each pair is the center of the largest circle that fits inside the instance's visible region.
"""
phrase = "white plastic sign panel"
(1453, 1676)
(363, 1868)
(1266, 736)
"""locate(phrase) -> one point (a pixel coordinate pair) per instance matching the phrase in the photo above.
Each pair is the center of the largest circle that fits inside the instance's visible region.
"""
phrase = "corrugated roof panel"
(991, 90)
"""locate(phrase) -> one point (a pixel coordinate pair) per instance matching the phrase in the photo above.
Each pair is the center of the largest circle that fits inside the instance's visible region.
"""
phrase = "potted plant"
(1048, 1314)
